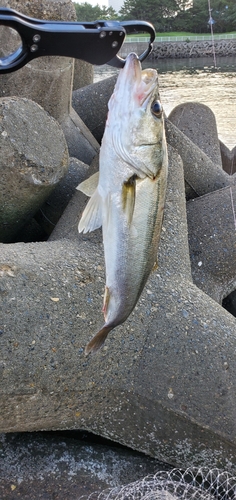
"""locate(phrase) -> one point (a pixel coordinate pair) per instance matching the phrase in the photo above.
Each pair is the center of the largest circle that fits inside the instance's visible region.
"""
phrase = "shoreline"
(182, 50)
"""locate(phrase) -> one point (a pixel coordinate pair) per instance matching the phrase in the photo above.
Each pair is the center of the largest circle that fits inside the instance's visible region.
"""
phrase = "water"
(185, 80)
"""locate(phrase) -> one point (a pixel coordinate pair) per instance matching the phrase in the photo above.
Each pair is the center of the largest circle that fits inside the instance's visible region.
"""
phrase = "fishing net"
(194, 484)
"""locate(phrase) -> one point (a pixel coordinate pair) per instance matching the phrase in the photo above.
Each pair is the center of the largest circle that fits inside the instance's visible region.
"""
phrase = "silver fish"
(128, 193)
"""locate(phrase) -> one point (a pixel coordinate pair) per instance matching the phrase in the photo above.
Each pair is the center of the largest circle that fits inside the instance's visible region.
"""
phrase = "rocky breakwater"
(185, 49)
(165, 382)
(192, 49)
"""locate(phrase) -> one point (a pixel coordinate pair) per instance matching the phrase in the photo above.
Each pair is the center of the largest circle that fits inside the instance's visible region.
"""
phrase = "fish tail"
(98, 340)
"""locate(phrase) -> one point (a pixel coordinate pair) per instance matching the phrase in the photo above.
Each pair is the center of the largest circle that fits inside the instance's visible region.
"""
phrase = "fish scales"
(128, 193)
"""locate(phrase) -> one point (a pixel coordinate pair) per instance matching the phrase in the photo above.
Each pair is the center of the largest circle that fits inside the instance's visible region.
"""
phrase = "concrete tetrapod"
(165, 382)
(59, 465)
(201, 175)
(228, 158)
(212, 243)
(90, 103)
(197, 121)
(49, 80)
(34, 158)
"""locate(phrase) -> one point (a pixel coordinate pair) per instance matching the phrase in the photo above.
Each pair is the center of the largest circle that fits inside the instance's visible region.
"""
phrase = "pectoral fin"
(89, 185)
(128, 198)
(92, 215)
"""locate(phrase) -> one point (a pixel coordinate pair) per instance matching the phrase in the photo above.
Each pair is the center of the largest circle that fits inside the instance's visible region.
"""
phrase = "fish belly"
(130, 250)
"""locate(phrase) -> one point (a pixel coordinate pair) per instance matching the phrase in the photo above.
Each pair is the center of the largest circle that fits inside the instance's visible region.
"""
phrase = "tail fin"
(98, 340)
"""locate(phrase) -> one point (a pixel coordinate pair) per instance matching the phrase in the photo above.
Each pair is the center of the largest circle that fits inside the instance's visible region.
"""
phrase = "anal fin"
(106, 300)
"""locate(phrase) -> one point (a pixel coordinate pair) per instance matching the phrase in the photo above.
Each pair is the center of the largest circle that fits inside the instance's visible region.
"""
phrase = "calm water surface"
(185, 80)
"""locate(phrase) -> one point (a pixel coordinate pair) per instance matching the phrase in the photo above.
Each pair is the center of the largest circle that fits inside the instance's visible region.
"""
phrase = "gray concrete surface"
(81, 143)
(163, 384)
(46, 219)
(67, 226)
(198, 123)
(200, 173)
(83, 74)
(212, 243)
(228, 158)
(65, 466)
(34, 158)
(52, 210)
(211, 238)
(90, 103)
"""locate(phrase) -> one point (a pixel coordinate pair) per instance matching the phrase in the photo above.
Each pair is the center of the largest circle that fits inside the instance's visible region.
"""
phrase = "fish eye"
(156, 108)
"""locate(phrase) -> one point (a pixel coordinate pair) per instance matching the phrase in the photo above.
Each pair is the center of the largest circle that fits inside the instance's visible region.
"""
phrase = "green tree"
(158, 12)
(195, 18)
(221, 12)
(182, 22)
(233, 17)
(168, 15)
(87, 12)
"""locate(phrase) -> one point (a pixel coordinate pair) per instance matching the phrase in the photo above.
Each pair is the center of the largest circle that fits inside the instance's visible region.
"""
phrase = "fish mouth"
(143, 82)
(150, 79)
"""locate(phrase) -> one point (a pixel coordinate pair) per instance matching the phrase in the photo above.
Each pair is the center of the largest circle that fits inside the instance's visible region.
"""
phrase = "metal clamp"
(96, 42)
(135, 27)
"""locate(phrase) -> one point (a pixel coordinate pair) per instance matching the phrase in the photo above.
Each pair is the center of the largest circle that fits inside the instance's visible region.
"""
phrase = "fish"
(127, 194)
